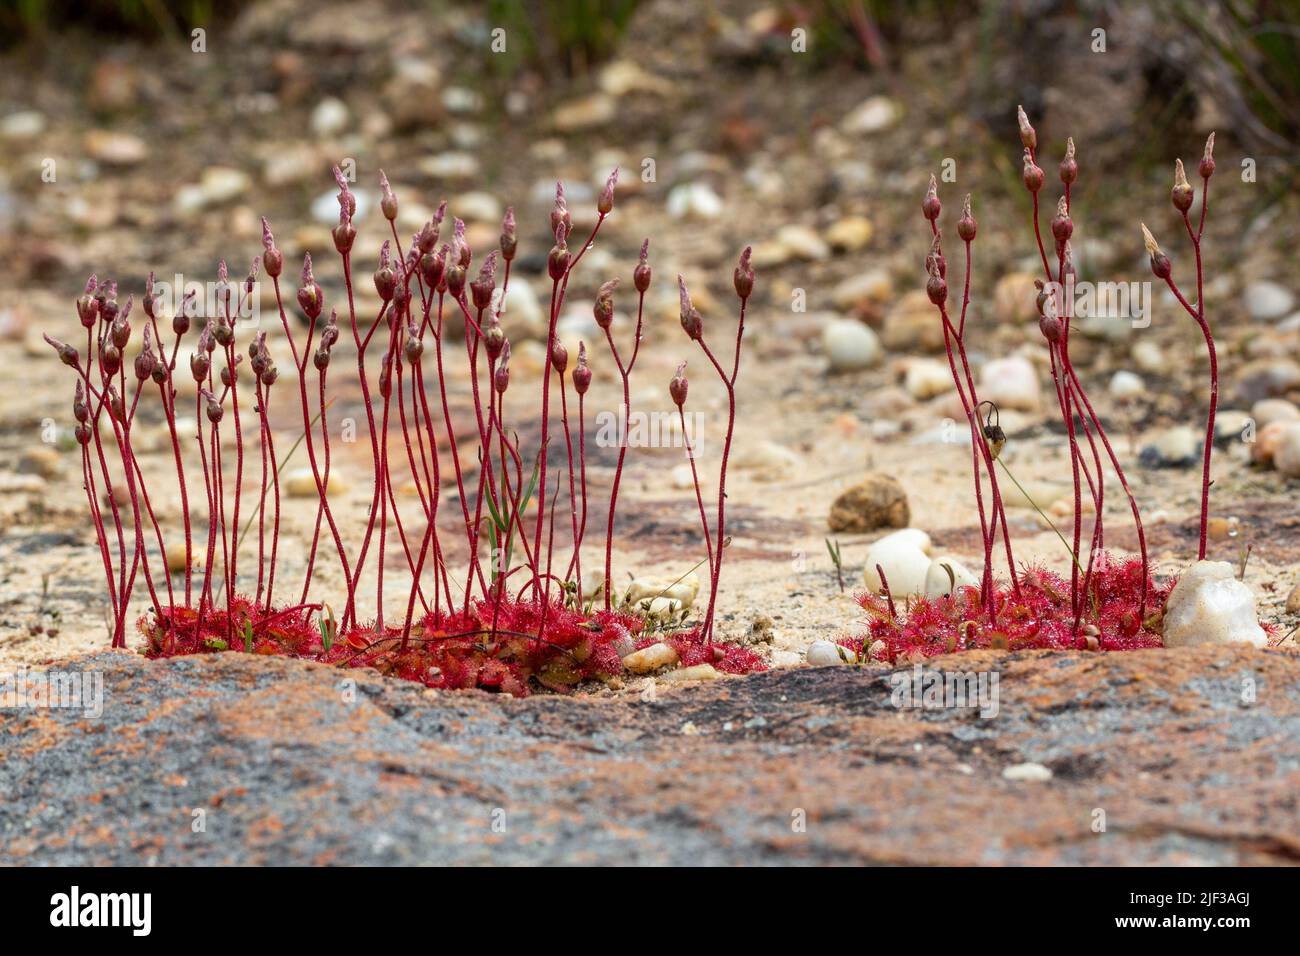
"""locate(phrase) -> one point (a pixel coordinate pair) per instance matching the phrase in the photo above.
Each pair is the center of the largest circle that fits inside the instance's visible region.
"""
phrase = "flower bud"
(269, 375)
(82, 434)
(1207, 159)
(742, 278)
(930, 206)
(559, 357)
(582, 371)
(605, 202)
(68, 355)
(481, 288)
(1069, 165)
(116, 408)
(1182, 194)
(388, 201)
(272, 258)
(642, 273)
(345, 234)
(79, 410)
(145, 361)
(1160, 264)
(310, 298)
(120, 332)
(603, 310)
(1031, 174)
(181, 320)
(222, 331)
(936, 288)
(509, 235)
(1028, 138)
(159, 373)
(1050, 326)
(385, 275)
(494, 338)
(692, 323)
(561, 221)
(199, 365)
(1062, 224)
(557, 263)
(501, 377)
(110, 357)
(966, 225)
(213, 407)
(321, 359)
(87, 305)
(431, 267)
(679, 386)
(413, 347)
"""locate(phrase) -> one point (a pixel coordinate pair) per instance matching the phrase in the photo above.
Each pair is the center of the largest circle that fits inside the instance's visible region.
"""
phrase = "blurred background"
(145, 135)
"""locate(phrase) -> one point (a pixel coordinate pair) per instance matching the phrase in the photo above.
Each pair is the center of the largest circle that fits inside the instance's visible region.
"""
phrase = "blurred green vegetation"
(40, 20)
(559, 36)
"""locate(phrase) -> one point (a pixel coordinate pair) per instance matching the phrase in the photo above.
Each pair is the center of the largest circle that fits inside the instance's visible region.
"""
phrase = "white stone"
(683, 592)
(698, 672)
(1269, 410)
(1011, 382)
(1266, 301)
(451, 165)
(826, 653)
(330, 117)
(902, 556)
(1149, 357)
(926, 378)
(850, 345)
(24, 124)
(477, 206)
(870, 116)
(522, 316)
(651, 658)
(1034, 772)
(1286, 458)
(1125, 385)
(694, 201)
(301, 483)
(938, 582)
(1209, 605)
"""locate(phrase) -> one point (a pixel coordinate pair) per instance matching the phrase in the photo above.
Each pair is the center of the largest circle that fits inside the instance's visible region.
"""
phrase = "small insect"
(994, 436)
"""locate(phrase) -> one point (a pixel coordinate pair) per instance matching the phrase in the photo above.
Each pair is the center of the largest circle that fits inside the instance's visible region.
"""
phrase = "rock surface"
(878, 502)
(289, 772)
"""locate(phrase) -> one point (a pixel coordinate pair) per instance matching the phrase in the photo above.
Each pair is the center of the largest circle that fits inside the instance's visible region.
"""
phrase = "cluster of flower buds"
(329, 335)
(603, 309)
(692, 322)
(582, 371)
(81, 413)
(260, 361)
(1049, 322)
(679, 386)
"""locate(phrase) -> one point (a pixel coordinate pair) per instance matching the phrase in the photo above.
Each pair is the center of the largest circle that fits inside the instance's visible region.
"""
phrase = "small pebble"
(1027, 771)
